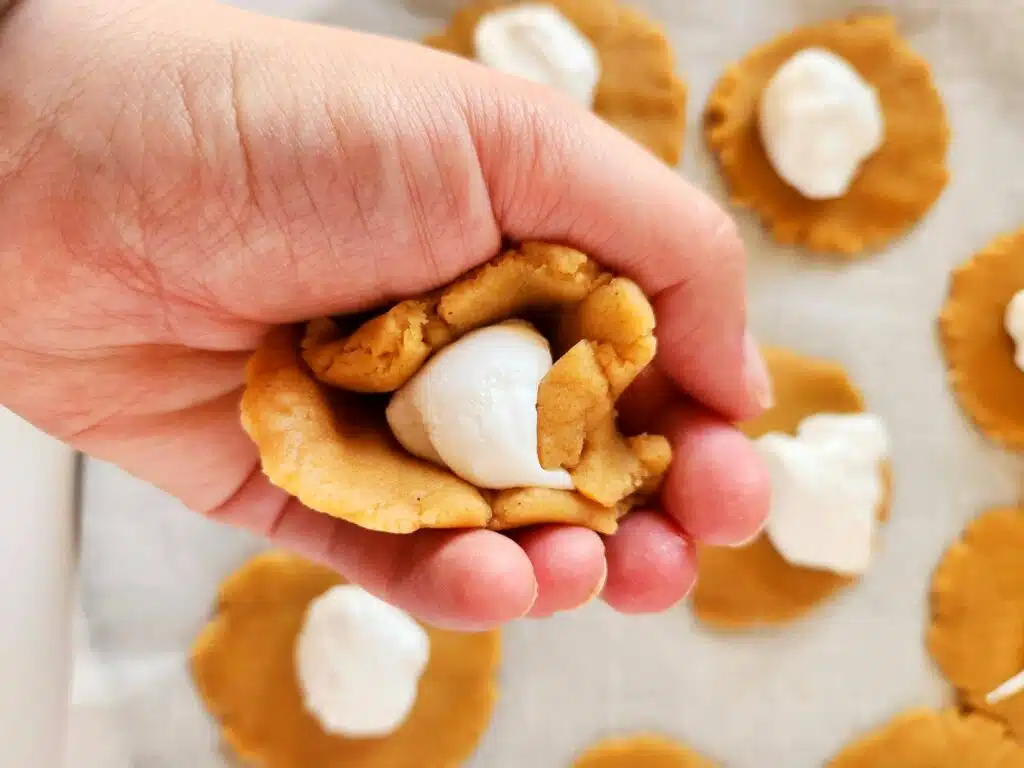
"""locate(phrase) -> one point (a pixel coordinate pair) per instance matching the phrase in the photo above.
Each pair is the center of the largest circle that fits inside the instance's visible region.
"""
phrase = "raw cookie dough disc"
(638, 93)
(976, 635)
(243, 663)
(979, 352)
(894, 188)
(330, 447)
(754, 585)
(641, 751)
(923, 738)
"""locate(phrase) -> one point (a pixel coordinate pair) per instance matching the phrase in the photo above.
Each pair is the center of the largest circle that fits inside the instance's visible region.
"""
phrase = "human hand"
(176, 178)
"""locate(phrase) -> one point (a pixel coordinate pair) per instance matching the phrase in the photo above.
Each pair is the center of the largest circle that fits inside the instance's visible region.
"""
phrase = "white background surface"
(785, 698)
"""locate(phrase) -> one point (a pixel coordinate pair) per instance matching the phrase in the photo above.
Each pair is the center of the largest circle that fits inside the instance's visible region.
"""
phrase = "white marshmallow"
(359, 662)
(536, 42)
(473, 409)
(1013, 321)
(826, 488)
(1010, 688)
(819, 120)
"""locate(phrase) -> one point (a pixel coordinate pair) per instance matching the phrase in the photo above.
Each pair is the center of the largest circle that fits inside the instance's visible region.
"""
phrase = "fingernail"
(600, 584)
(536, 592)
(759, 382)
(750, 539)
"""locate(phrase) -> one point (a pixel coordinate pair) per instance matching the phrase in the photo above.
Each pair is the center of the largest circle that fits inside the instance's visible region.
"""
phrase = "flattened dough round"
(979, 352)
(641, 751)
(753, 585)
(923, 738)
(639, 92)
(976, 634)
(243, 666)
(330, 446)
(894, 188)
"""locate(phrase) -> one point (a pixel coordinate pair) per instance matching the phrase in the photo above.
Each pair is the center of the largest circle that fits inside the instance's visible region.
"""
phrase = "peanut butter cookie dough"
(980, 353)
(894, 187)
(923, 738)
(641, 751)
(243, 665)
(753, 584)
(325, 441)
(638, 91)
(976, 635)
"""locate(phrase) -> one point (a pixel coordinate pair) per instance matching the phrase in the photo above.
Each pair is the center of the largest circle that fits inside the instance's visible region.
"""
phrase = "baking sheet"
(789, 697)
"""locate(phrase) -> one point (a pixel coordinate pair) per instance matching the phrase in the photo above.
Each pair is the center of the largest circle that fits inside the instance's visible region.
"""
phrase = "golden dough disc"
(641, 751)
(638, 93)
(976, 634)
(923, 738)
(753, 584)
(894, 188)
(979, 352)
(243, 666)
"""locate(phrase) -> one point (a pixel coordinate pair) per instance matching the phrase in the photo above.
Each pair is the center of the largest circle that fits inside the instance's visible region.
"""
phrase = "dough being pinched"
(313, 401)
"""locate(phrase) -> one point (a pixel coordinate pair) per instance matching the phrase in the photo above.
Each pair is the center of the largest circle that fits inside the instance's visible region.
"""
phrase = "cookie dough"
(976, 634)
(641, 751)
(894, 187)
(923, 738)
(753, 585)
(638, 92)
(244, 668)
(323, 439)
(979, 351)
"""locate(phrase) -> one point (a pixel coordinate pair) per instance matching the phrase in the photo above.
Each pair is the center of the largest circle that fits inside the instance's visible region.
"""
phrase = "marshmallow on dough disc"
(1013, 320)
(826, 488)
(473, 409)
(359, 662)
(819, 121)
(536, 42)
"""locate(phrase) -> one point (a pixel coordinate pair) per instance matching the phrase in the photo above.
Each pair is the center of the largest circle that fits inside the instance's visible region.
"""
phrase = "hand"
(178, 177)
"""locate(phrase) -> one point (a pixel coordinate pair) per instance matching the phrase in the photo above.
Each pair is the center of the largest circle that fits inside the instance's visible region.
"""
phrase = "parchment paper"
(782, 699)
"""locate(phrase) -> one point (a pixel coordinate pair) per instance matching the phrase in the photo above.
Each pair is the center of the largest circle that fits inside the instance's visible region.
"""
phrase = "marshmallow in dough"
(316, 409)
(638, 91)
(976, 634)
(243, 664)
(753, 584)
(924, 738)
(641, 751)
(976, 338)
(894, 186)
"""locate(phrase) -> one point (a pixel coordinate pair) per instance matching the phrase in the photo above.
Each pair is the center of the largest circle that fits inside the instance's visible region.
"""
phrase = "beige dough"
(323, 438)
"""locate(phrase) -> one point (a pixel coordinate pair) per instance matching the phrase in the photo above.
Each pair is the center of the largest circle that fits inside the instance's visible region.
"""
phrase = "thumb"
(329, 171)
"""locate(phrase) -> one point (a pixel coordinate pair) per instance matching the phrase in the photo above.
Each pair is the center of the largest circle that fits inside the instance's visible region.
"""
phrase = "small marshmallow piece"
(826, 488)
(473, 409)
(536, 42)
(1010, 688)
(359, 662)
(1014, 323)
(820, 120)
